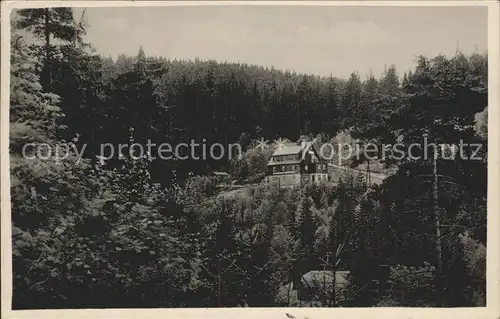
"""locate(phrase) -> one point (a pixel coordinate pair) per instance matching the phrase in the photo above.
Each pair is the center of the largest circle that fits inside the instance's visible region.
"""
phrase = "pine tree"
(389, 82)
(366, 111)
(47, 24)
(305, 230)
(48, 196)
(124, 63)
(31, 109)
(349, 100)
(140, 64)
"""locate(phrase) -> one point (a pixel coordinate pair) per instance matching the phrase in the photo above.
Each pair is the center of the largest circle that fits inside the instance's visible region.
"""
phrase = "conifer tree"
(47, 24)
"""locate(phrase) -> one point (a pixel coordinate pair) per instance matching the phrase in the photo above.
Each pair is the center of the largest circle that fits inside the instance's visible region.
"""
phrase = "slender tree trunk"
(213, 98)
(288, 293)
(93, 159)
(334, 268)
(334, 283)
(48, 58)
(298, 119)
(219, 285)
(197, 109)
(439, 260)
(328, 116)
(225, 117)
(369, 175)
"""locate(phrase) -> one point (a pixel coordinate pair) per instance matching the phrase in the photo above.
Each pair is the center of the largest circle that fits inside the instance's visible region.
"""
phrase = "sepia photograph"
(246, 156)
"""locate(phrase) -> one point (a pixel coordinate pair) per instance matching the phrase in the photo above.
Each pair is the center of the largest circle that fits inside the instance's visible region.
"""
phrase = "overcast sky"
(318, 40)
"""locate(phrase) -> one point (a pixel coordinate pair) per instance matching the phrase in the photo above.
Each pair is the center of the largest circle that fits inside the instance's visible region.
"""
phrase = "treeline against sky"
(169, 101)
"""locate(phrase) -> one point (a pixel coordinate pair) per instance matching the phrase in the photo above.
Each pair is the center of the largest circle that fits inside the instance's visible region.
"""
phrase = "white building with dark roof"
(294, 164)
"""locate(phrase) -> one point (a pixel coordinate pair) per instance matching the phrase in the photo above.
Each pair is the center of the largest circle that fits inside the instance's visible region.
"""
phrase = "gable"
(297, 151)
(315, 146)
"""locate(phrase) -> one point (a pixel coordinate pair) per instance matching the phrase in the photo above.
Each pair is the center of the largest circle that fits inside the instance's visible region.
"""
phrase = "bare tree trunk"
(334, 268)
(225, 116)
(334, 282)
(288, 292)
(298, 119)
(219, 304)
(439, 260)
(328, 115)
(47, 47)
(213, 99)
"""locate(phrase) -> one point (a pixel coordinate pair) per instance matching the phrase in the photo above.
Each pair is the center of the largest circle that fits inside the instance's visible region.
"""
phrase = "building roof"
(288, 149)
(220, 173)
(293, 149)
(317, 278)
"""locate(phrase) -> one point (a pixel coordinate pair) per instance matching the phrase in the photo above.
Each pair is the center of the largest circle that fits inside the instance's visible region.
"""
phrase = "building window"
(312, 178)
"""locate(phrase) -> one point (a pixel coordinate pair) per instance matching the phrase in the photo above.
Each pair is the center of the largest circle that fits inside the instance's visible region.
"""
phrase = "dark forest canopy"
(171, 100)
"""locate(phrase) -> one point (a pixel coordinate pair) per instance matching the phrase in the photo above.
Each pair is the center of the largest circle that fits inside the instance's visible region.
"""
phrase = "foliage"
(481, 123)
(475, 260)
(410, 286)
(251, 165)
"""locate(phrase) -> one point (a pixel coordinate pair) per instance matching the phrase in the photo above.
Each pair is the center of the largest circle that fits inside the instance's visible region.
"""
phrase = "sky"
(306, 39)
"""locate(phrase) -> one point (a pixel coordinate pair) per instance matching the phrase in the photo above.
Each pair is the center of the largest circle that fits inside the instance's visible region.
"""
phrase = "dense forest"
(132, 232)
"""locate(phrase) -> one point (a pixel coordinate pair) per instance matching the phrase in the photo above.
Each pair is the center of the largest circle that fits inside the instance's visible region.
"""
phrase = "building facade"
(295, 164)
